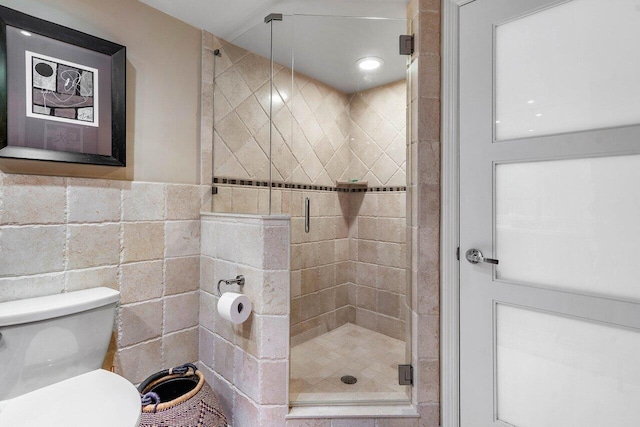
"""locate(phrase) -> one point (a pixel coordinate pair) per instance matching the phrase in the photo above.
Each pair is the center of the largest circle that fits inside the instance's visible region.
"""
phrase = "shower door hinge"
(214, 190)
(405, 375)
(458, 253)
(406, 45)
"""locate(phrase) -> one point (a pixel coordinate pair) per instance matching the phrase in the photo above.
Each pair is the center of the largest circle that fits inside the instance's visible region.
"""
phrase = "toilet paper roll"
(234, 307)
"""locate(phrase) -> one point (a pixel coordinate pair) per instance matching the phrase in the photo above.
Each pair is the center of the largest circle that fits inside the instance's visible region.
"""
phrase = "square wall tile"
(92, 278)
(31, 199)
(140, 322)
(137, 362)
(21, 250)
(94, 200)
(183, 202)
(182, 238)
(142, 241)
(143, 201)
(93, 245)
(182, 275)
(15, 288)
(181, 347)
(181, 311)
(141, 281)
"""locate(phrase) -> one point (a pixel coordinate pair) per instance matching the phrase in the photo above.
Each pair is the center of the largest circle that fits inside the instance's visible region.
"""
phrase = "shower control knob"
(474, 256)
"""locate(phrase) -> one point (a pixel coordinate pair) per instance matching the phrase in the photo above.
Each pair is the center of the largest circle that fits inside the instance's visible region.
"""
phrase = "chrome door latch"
(474, 256)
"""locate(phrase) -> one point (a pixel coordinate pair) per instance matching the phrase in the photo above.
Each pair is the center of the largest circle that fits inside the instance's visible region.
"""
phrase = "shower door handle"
(474, 256)
(306, 214)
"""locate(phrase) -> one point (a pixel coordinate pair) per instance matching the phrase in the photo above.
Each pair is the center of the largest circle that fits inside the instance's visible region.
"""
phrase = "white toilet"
(51, 351)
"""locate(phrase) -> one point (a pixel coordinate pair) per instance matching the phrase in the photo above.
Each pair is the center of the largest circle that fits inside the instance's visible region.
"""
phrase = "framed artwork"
(62, 93)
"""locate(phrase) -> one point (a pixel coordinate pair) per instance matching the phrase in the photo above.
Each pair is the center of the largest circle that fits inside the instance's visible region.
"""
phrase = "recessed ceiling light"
(369, 63)
(539, 115)
(25, 33)
(531, 101)
(497, 121)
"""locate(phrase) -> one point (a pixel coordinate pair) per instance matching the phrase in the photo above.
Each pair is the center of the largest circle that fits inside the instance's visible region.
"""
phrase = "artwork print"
(61, 91)
(62, 137)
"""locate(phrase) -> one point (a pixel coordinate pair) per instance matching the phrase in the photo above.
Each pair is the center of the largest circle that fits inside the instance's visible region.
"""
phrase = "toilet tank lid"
(52, 306)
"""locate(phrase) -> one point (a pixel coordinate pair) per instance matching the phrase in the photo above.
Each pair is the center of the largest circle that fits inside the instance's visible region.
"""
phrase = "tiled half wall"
(143, 239)
(247, 364)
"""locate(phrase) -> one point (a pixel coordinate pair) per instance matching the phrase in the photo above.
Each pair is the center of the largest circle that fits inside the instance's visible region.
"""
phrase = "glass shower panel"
(242, 134)
(283, 161)
(347, 119)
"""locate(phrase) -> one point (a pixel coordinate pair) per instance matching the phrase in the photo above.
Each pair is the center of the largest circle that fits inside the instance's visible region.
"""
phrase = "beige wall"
(140, 238)
(163, 88)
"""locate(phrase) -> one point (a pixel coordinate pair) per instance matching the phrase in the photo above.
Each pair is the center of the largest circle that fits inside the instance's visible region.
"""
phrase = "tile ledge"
(245, 216)
(359, 411)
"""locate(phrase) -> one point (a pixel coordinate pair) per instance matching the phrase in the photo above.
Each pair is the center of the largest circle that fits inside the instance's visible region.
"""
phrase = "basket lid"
(97, 398)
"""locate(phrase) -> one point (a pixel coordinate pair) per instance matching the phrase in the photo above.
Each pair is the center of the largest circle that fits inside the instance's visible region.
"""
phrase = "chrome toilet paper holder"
(239, 280)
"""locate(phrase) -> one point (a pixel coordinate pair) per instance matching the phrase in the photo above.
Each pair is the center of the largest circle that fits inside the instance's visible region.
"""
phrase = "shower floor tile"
(318, 364)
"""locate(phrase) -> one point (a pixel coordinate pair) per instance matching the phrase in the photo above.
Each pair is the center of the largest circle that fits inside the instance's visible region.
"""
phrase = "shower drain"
(349, 379)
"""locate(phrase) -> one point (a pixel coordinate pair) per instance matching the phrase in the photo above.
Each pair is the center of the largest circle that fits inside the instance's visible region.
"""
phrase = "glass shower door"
(347, 115)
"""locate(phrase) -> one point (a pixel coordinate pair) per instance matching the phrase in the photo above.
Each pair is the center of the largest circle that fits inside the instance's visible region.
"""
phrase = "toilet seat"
(97, 398)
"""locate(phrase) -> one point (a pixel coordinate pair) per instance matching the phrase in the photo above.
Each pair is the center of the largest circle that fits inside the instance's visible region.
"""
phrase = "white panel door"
(550, 188)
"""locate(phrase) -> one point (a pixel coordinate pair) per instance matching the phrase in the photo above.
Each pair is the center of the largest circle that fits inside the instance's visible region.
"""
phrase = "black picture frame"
(116, 53)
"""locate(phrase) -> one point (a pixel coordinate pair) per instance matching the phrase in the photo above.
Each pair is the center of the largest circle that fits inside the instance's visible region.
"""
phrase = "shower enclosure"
(310, 121)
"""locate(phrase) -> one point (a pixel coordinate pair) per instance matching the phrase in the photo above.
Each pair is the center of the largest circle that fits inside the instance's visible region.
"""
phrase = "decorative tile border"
(278, 184)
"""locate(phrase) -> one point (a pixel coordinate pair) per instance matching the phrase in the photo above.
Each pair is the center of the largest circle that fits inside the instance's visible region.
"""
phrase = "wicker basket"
(181, 398)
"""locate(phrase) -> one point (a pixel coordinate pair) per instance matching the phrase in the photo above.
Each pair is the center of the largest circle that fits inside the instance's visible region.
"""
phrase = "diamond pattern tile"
(320, 135)
(318, 364)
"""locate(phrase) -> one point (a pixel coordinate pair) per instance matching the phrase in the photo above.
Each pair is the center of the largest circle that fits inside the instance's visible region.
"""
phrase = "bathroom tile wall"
(377, 262)
(310, 120)
(143, 239)
(320, 135)
(247, 364)
(320, 270)
(378, 135)
(424, 204)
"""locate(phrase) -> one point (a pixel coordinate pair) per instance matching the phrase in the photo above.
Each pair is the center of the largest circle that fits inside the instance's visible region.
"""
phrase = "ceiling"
(324, 47)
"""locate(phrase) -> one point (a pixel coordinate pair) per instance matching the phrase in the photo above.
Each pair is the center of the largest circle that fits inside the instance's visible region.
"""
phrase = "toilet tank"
(46, 340)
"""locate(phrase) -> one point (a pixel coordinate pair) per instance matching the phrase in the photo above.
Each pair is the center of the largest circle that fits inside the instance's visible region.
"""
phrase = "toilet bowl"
(51, 351)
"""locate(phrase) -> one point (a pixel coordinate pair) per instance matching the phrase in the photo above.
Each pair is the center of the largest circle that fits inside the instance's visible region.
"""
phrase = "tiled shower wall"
(143, 239)
(350, 267)
(320, 135)
(320, 272)
(377, 261)
(378, 141)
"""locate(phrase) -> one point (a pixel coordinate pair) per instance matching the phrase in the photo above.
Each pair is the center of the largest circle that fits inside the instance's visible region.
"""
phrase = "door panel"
(567, 68)
(559, 212)
(556, 370)
(570, 224)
